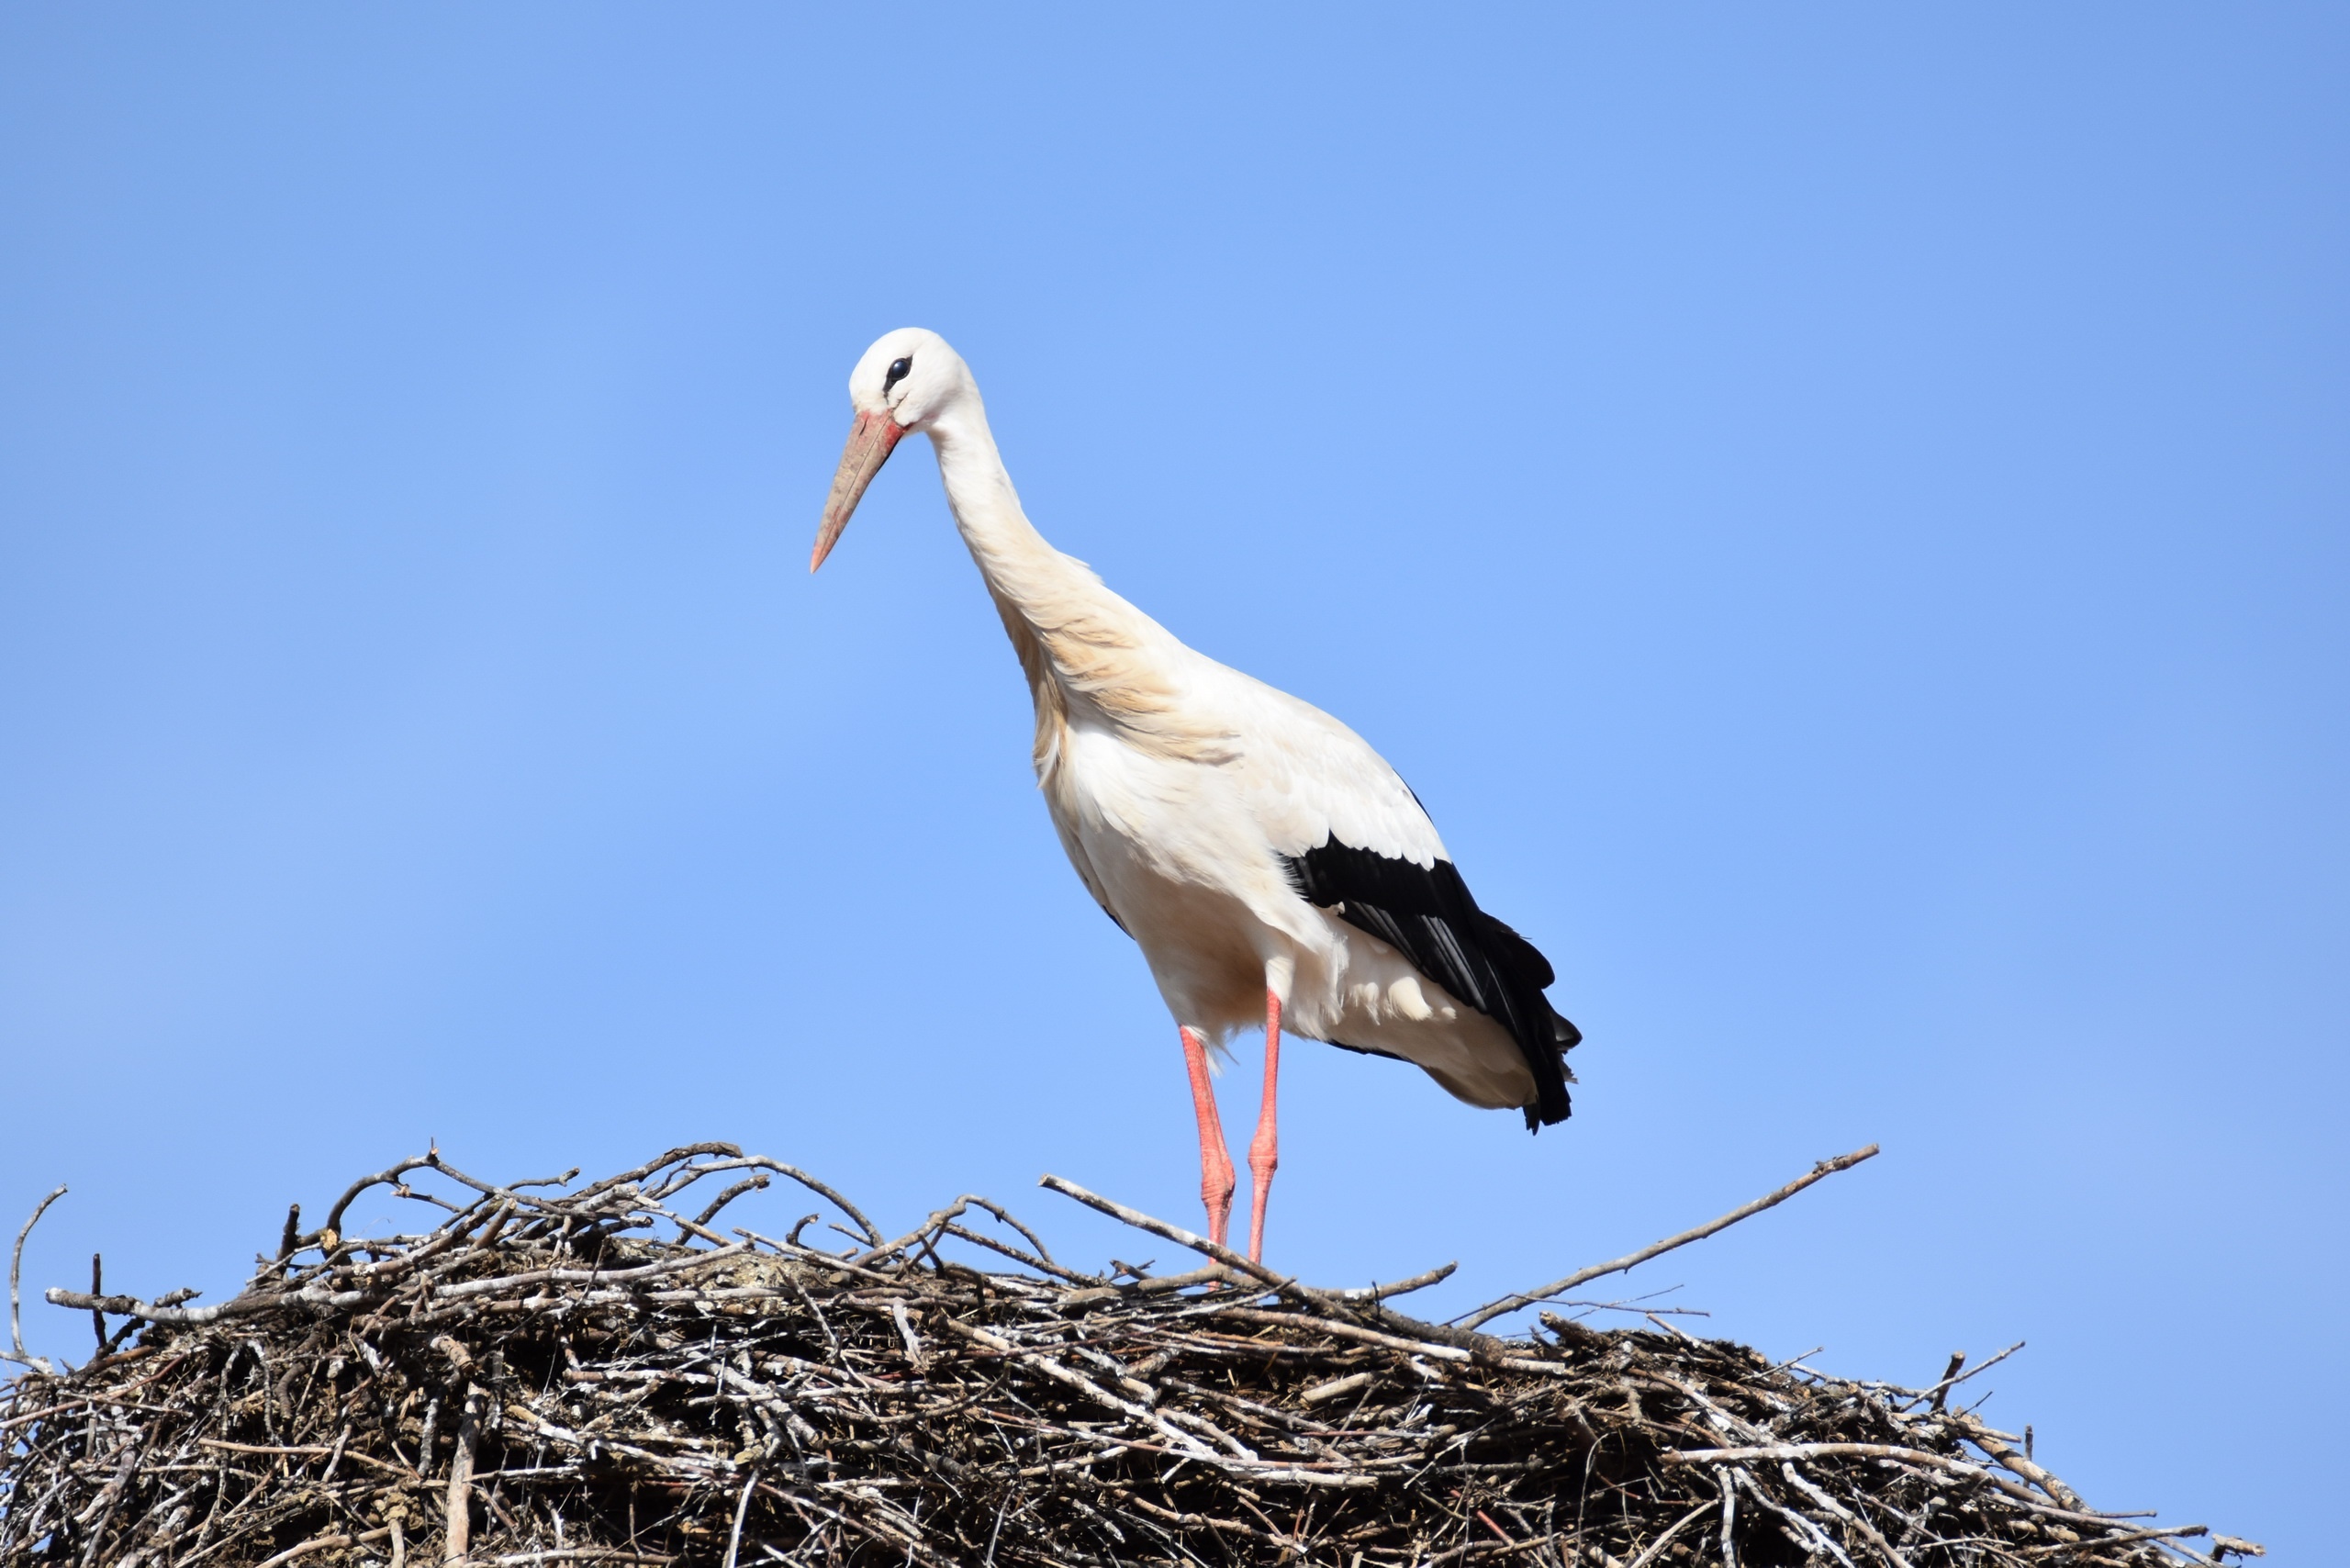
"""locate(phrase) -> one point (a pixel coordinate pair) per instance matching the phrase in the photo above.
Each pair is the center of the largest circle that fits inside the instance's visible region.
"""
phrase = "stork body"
(1273, 868)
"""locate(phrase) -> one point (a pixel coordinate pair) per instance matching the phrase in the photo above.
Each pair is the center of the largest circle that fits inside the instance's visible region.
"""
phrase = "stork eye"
(897, 369)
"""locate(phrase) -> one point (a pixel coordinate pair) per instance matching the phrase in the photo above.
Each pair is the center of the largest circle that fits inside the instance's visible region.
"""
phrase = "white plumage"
(1271, 865)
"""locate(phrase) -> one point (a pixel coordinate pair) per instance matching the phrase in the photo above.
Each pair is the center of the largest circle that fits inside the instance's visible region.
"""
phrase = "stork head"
(906, 380)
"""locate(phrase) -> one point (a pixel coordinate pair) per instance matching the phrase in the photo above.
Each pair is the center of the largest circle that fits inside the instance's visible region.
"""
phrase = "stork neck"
(1013, 557)
(1085, 650)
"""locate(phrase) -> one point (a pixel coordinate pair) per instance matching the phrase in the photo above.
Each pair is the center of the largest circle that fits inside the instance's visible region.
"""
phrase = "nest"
(596, 1373)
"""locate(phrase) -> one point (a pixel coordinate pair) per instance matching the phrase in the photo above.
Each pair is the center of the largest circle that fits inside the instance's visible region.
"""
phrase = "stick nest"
(559, 1374)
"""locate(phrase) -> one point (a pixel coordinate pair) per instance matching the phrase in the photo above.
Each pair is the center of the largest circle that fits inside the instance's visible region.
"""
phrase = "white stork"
(1271, 864)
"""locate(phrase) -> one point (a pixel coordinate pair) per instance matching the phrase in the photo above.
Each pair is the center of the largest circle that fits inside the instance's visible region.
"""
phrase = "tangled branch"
(549, 1375)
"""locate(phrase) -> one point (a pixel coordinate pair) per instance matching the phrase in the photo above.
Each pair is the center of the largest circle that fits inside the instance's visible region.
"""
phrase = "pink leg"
(1265, 1148)
(1215, 1165)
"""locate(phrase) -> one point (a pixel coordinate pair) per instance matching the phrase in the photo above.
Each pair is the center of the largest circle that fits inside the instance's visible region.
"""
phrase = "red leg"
(1265, 1148)
(1215, 1165)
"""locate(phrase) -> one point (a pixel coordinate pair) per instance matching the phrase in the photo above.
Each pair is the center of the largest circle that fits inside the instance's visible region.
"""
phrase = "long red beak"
(869, 441)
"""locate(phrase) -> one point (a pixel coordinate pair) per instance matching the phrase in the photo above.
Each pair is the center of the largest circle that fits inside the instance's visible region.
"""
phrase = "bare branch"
(16, 1273)
(1826, 1168)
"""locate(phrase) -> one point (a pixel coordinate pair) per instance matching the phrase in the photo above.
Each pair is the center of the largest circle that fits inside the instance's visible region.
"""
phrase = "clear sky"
(1839, 510)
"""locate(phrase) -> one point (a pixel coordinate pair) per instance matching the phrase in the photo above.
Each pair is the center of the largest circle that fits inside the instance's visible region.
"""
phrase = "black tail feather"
(1428, 915)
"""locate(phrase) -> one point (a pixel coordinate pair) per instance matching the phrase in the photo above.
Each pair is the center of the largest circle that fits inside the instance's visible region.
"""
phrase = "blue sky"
(1839, 510)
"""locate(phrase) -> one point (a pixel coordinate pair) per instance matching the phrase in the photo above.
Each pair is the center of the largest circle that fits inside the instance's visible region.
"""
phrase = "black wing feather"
(1428, 915)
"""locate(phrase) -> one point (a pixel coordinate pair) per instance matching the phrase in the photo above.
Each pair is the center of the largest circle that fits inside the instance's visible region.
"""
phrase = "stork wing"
(1355, 841)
